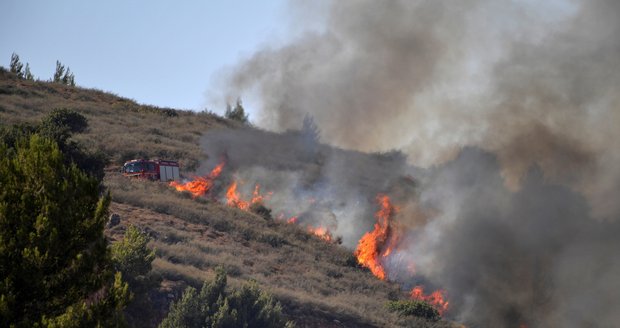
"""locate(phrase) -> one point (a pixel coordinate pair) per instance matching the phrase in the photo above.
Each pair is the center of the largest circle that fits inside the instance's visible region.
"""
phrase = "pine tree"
(131, 256)
(16, 66)
(63, 75)
(61, 123)
(60, 71)
(27, 74)
(309, 129)
(68, 78)
(55, 269)
(237, 113)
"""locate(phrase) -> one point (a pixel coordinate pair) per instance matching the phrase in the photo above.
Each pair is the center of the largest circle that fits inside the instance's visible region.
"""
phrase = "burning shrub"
(213, 307)
(375, 244)
(436, 299)
(414, 308)
(199, 186)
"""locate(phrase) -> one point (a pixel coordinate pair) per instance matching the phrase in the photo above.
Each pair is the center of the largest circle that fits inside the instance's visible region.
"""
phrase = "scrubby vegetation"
(316, 283)
(248, 306)
(59, 126)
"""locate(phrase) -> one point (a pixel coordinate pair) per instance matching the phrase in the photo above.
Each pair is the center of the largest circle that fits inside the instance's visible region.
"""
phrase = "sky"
(164, 53)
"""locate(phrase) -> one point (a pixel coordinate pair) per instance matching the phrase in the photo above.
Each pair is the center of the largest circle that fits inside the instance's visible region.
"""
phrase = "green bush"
(414, 308)
(169, 112)
(132, 257)
(213, 307)
(60, 124)
(55, 268)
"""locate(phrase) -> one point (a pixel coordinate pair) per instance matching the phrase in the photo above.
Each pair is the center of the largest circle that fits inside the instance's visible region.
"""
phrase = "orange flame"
(257, 198)
(436, 299)
(233, 199)
(321, 232)
(370, 247)
(216, 171)
(392, 240)
(200, 185)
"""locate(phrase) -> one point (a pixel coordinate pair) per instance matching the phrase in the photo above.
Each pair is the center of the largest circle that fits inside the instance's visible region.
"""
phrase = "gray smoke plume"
(430, 77)
(513, 107)
(318, 184)
(534, 257)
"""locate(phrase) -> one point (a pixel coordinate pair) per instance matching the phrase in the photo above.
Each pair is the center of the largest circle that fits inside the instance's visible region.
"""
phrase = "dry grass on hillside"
(119, 127)
(319, 283)
(311, 277)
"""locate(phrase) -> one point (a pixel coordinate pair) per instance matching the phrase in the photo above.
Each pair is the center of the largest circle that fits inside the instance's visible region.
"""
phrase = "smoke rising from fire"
(533, 256)
(533, 82)
(513, 107)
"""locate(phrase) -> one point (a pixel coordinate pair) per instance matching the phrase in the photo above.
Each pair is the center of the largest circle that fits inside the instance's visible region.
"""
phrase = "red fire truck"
(157, 169)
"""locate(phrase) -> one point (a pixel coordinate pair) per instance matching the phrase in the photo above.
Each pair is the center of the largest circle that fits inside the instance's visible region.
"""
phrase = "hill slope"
(318, 282)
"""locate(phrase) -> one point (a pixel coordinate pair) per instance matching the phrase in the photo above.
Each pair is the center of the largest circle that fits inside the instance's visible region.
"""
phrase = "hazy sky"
(156, 52)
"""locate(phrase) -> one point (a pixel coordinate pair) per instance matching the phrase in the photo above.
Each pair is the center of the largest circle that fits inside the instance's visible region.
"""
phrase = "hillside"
(118, 126)
(318, 282)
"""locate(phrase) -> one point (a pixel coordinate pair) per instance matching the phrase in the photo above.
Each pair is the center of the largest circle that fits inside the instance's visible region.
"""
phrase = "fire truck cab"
(157, 169)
